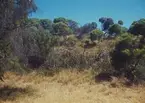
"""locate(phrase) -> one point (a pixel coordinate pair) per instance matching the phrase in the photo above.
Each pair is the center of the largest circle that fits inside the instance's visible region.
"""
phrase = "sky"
(85, 11)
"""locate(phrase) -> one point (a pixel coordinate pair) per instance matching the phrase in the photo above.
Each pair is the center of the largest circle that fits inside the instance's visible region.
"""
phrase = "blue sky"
(84, 11)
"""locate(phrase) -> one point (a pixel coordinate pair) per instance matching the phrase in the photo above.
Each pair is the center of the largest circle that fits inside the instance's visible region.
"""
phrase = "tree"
(29, 22)
(73, 25)
(46, 24)
(45, 42)
(120, 22)
(85, 29)
(12, 13)
(93, 25)
(96, 34)
(61, 29)
(60, 19)
(115, 29)
(138, 27)
(106, 23)
(127, 55)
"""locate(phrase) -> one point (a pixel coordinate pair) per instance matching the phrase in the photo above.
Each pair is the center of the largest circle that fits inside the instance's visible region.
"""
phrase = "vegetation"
(137, 27)
(96, 35)
(66, 86)
(127, 55)
(12, 14)
(62, 43)
(36, 51)
(120, 22)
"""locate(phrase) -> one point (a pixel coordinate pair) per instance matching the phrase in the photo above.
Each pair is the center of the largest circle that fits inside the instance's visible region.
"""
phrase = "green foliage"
(115, 29)
(126, 38)
(12, 13)
(15, 65)
(126, 56)
(96, 34)
(40, 37)
(5, 52)
(60, 19)
(73, 25)
(138, 27)
(31, 22)
(88, 27)
(46, 24)
(5, 49)
(45, 42)
(61, 29)
(120, 22)
(69, 41)
(124, 29)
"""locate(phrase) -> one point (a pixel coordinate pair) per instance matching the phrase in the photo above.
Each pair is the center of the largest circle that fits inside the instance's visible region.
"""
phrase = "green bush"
(61, 29)
(138, 27)
(115, 29)
(126, 56)
(45, 42)
(96, 34)
(120, 22)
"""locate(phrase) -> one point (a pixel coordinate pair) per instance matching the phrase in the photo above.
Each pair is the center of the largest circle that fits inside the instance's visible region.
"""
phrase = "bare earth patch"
(70, 87)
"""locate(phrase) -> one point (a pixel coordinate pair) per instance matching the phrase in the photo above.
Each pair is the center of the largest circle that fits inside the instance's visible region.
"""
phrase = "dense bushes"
(127, 55)
(54, 44)
(12, 14)
(45, 42)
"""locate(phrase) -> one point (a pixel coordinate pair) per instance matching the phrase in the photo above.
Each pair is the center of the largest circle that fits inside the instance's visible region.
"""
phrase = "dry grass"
(71, 86)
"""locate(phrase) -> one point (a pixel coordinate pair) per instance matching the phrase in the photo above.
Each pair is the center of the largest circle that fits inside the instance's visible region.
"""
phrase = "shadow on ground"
(8, 93)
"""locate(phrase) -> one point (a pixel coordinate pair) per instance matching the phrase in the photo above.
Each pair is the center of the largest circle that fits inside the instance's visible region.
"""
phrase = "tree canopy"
(138, 27)
(61, 29)
(106, 23)
(13, 11)
(120, 22)
(96, 34)
(115, 29)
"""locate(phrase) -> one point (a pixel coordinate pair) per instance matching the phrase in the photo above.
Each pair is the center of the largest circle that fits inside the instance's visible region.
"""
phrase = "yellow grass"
(71, 86)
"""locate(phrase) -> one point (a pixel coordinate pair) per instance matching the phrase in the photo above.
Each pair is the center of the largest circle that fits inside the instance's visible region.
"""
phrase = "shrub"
(69, 41)
(138, 27)
(45, 42)
(96, 34)
(61, 29)
(120, 22)
(126, 56)
(115, 29)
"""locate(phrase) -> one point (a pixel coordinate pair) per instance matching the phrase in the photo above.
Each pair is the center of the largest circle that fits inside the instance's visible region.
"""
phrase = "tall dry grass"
(70, 86)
